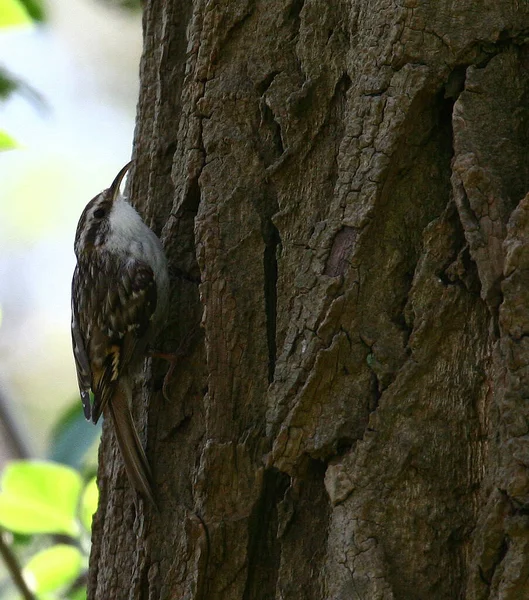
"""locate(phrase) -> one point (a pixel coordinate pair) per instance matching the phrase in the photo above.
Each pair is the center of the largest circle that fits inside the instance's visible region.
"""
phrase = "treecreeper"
(120, 297)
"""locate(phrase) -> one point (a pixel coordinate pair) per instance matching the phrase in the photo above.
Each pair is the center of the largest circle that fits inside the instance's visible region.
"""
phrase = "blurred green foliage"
(6, 141)
(47, 507)
(8, 84)
(131, 5)
(35, 9)
(16, 13)
(39, 499)
(72, 440)
(13, 13)
(53, 568)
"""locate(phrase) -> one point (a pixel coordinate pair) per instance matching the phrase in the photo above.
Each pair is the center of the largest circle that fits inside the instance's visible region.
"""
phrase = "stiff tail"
(136, 464)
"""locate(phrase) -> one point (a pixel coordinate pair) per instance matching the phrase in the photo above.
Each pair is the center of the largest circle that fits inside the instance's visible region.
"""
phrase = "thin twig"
(13, 567)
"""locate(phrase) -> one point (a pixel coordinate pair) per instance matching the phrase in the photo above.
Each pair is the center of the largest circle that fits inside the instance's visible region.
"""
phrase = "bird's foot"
(173, 358)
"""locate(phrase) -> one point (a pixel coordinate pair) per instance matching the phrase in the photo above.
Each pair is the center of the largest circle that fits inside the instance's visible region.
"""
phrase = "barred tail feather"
(136, 464)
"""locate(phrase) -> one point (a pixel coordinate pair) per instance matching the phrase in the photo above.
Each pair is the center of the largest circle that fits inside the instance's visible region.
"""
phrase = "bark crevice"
(264, 545)
(272, 247)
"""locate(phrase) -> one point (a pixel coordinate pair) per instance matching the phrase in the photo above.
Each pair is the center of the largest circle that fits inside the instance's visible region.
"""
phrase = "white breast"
(130, 237)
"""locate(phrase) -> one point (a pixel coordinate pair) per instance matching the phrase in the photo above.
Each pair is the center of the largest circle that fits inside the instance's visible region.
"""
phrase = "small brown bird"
(120, 294)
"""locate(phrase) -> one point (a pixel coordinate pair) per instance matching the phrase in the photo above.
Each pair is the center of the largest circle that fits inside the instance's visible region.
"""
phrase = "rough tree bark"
(340, 189)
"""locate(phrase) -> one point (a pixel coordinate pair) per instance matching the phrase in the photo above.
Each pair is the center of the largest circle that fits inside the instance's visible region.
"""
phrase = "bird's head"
(95, 223)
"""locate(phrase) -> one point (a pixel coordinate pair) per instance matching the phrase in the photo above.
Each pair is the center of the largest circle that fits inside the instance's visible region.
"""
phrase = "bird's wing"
(118, 301)
(82, 364)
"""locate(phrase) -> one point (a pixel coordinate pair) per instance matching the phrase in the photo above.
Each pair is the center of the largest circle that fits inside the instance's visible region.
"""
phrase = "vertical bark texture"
(340, 187)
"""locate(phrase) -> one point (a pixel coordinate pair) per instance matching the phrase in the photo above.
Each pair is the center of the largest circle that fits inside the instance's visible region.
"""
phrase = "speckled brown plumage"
(110, 331)
(119, 299)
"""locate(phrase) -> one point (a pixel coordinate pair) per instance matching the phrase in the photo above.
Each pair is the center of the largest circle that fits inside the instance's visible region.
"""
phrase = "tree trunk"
(340, 190)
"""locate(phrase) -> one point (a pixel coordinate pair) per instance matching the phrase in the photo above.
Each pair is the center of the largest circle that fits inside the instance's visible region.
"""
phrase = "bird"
(120, 297)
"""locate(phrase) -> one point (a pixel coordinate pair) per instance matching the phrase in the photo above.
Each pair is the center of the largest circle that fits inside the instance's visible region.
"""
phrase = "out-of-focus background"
(72, 117)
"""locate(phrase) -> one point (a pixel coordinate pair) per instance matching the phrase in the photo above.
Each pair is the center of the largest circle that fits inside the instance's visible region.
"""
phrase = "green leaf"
(79, 594)
(89, 503)
(35, 9)
(13, 13)
(6, 141)
(39, 497)
(53, 568)
(8, 83)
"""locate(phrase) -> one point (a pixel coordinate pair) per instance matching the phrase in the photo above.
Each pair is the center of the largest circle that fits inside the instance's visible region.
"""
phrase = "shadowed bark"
(340, 189)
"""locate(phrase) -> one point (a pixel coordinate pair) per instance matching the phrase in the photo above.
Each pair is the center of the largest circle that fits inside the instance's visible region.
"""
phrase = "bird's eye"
(99, 213)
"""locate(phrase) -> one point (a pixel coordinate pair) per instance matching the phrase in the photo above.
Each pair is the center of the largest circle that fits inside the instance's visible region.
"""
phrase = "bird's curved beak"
(116, 184)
